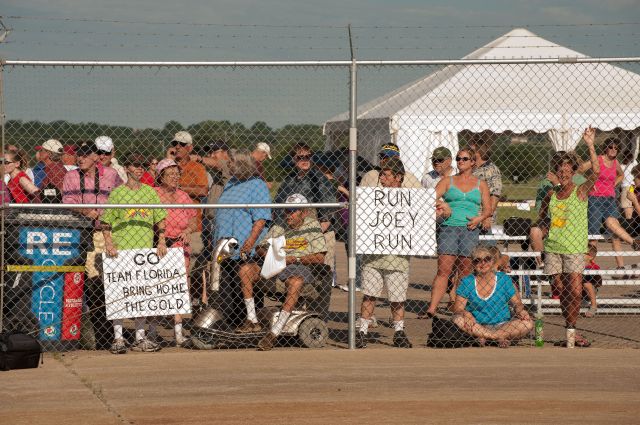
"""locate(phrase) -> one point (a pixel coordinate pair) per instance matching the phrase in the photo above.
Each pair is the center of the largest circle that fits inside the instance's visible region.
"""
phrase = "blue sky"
(232, 30)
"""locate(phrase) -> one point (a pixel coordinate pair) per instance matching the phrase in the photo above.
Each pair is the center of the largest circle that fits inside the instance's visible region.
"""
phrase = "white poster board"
(395, 221)
(137, 283)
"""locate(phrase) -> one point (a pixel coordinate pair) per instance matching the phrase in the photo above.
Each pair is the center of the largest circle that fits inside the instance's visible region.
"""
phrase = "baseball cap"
(296, 198)
(183, 137)
(104, 143)
(441, 153)
(262, 146)
(86, 149)
(217, 145)
(165, 163)
(69, 150)
(394, 164)
(52, 145)
(389, 149)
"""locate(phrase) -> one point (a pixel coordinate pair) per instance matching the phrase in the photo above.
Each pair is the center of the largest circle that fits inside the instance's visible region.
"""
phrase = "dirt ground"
(488, 385)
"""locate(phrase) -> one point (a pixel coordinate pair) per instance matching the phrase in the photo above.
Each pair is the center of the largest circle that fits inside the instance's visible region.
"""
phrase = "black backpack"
(445, 334)
(19, 350)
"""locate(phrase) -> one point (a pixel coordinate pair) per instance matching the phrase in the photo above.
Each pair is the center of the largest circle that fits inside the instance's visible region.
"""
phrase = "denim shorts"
(457, 240)
(601, 208)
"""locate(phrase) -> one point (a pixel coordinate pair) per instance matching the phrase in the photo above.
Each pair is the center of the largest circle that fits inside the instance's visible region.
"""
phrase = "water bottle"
(571, 337)
(539, 331)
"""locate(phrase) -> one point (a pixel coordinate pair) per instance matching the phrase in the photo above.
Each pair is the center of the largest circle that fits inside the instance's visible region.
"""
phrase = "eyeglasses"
(615, 148)
(479, 260)
(463, 158)
(175, 143)
(438, 160)
(303, 158)
(103, 153)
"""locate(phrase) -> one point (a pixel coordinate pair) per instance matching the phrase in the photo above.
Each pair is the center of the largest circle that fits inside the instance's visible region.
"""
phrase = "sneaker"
(400, 340)
(248, 327)
(361, 339)
(267, 342)
(145, 345)
(118, 346)
(181, 341)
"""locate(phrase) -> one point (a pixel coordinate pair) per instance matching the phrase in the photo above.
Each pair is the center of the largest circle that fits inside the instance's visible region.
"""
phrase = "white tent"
(558, 99)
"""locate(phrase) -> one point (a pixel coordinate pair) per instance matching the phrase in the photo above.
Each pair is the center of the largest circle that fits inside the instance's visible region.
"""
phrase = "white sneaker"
(118, 346)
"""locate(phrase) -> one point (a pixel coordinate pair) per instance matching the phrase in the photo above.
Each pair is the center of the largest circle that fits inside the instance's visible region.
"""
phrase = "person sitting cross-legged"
(482, 304)
(305, 249)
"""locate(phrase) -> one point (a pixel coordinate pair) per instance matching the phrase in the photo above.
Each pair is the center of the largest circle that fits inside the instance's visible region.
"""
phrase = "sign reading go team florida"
(137, 283)
(395, 221)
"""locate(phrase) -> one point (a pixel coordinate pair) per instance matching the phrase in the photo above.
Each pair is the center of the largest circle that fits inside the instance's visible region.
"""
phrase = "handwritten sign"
(137, 283)
(395, 221)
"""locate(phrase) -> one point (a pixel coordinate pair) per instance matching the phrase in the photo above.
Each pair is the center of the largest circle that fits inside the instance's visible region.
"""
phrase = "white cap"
(183, 137)
(52, 145)
(104, 143)
(262, 146)
(296, 198)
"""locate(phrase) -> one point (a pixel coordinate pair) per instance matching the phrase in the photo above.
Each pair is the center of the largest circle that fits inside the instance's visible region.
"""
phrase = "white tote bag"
(276, 259)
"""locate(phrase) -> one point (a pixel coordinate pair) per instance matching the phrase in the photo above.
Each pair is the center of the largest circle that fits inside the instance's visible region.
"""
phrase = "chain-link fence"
(482, 197)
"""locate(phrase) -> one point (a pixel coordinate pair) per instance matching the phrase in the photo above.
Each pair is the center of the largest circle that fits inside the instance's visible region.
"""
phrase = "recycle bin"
(44, 256)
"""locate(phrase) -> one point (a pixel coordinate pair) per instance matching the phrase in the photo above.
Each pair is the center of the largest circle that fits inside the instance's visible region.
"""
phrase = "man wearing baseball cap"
(51, 156)
(372, 178)
(305, 249)
(106, 156)
(262, 152)
(441, 162)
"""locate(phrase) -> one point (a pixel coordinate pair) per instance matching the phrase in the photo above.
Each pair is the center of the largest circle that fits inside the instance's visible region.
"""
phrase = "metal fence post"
(353, 144)
(2, 267)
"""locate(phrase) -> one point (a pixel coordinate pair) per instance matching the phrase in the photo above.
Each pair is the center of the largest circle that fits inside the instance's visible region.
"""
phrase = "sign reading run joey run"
(395, 221)
(137, 283)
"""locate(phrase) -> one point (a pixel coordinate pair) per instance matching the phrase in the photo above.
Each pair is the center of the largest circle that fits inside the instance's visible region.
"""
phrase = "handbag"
(276, 259)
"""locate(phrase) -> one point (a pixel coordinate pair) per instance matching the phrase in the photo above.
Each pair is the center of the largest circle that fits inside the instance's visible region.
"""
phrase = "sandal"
(581, 341)
(591, 312)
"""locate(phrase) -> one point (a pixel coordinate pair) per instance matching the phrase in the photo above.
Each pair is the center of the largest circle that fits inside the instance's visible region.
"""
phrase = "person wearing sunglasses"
(603, 203)
(482, 303)
(459, 234)
(441, 160)
(133, 228)
(106, 156)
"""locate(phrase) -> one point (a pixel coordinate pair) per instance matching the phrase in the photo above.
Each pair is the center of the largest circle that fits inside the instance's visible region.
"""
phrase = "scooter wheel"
(313, 332)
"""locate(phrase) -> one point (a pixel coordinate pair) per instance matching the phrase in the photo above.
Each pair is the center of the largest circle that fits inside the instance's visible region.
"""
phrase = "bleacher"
(535, 286)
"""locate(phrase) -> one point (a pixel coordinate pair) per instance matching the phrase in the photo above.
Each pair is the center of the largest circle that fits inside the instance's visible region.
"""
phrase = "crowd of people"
(484, 302)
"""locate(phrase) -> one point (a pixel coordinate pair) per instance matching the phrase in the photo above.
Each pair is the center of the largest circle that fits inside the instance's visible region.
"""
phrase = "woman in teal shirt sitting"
(482, 304)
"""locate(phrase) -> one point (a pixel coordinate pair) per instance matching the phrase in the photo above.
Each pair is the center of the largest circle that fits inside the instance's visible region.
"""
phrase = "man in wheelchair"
(305, 249)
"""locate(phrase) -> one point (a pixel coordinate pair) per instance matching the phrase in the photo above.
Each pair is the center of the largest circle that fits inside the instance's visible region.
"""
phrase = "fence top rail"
(318, 63)
(162, 206)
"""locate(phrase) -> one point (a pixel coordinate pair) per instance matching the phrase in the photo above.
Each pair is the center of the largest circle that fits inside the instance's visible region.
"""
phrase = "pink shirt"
(108, 179)
(177, 218)
(605, 186)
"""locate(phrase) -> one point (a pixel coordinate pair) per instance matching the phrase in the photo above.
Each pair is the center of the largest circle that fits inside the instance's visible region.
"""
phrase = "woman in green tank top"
(565, 246)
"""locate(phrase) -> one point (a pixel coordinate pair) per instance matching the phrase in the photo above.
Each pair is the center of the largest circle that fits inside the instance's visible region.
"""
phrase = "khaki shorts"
(374, 280)
(563, 263)
(98, 248)
(624, 201)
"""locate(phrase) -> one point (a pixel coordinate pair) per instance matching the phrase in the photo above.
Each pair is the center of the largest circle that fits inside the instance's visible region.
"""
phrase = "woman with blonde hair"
(482, 303)
(20, 186)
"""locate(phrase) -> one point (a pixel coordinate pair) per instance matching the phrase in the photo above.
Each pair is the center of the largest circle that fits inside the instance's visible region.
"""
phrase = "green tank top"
(463, 204)
(568, 230)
